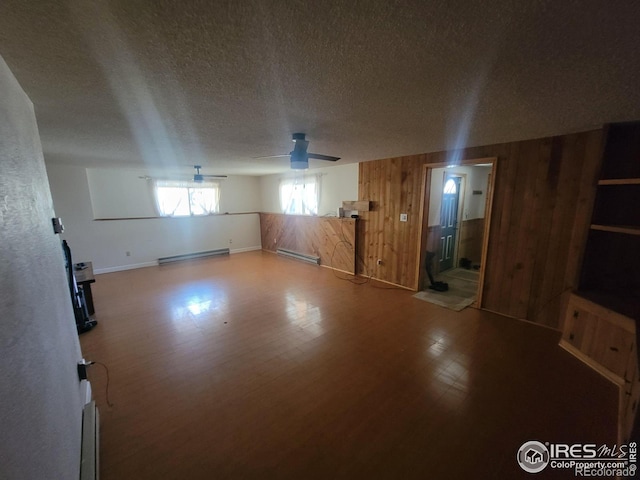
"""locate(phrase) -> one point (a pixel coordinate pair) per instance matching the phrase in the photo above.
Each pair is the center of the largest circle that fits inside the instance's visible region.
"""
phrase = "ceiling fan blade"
(271, 156)
(214, 176)
(299, 156)
(317, 156)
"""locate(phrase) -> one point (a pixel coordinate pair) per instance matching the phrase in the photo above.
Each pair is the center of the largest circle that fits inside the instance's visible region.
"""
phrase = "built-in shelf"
(597, 333)
(619, 181)
(602, 322)
(356, 205)
(617, 229)
(624, 303)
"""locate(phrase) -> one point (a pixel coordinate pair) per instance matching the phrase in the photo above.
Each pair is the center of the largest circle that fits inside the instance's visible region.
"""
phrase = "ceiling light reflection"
(304, 314)
(196, 308)
(198, 302)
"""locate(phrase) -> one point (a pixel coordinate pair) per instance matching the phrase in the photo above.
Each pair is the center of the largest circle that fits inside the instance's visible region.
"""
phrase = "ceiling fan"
(198, 177)
(299, 155)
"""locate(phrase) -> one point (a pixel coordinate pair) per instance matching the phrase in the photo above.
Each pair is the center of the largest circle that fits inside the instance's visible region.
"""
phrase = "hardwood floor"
(255, 366)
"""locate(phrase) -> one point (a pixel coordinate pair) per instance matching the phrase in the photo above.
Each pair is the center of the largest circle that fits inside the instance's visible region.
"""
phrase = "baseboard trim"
(397, 285)
(523, 320)
(338, 270)
(121, 268)
(605, 372)
(246, 249)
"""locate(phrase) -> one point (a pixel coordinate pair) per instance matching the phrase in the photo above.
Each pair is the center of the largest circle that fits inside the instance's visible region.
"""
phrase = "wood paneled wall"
(330, 238)
(393, 186)
(471, 235)
(544, 192)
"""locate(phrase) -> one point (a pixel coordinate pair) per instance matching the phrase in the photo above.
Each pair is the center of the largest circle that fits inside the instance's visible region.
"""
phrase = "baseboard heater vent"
(190, 256)
(298, 256)
(90, 454)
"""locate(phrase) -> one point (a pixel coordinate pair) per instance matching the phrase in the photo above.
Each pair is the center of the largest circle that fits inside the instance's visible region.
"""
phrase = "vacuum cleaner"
(437, 286)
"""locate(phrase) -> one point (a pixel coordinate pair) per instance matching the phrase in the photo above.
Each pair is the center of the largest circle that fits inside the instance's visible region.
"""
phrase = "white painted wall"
(105, 243)
(477, 178)
(41, 401)
(338, 183)
(121, 193)
(81, 195)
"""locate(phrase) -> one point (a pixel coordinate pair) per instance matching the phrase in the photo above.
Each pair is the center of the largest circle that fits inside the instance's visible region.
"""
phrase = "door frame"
(424, 217)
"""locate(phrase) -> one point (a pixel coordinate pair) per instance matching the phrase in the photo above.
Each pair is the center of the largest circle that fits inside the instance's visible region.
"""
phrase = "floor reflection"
(438, 343)
(304, 314)
(197, 307)
(198, 301)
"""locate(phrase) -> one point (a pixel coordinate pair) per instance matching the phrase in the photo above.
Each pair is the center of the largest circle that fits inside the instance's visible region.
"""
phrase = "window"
(450, 186)
(183, 199)
(300, 196)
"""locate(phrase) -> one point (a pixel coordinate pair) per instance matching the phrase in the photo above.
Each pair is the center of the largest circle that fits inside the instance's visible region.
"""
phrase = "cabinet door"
(612, 348)
(580, 327)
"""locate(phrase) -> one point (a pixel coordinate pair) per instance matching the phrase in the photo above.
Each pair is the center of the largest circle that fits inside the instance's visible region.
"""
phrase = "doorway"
(455, 228)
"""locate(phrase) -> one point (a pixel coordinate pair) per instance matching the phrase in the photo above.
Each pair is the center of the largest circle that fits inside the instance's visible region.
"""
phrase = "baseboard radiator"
(90, 454)
(190, 256)
(298, 256)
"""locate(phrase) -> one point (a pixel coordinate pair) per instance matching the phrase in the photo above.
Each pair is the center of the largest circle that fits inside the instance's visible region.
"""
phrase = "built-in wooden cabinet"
(604, 337)
(606, 341)
(600, 321)
(610, 272)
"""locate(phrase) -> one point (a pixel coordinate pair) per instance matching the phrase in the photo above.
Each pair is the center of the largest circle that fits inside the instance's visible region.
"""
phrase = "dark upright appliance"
(84, 323)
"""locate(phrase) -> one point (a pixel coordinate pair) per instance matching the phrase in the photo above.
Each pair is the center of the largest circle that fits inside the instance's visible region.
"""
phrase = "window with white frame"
(301, 195)
(183, 199)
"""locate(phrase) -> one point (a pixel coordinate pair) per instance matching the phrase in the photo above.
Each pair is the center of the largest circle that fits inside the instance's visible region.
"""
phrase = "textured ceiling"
(174, 83)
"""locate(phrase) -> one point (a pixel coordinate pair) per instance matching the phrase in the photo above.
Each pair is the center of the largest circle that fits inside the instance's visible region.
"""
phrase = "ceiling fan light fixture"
(299, 161)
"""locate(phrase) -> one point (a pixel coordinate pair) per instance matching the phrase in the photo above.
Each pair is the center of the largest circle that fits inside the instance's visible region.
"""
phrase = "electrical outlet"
(379, 262)
(230, 241)
(403, 217)
(128, 254)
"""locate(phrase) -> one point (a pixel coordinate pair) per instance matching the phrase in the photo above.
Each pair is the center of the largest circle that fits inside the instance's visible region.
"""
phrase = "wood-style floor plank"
(255, 366)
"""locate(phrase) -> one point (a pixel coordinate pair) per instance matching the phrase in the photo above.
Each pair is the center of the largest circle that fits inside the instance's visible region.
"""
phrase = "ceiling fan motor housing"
(299, 157)
(298, 136)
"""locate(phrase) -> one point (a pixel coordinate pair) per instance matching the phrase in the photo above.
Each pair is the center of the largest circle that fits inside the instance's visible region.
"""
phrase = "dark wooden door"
(449, 221)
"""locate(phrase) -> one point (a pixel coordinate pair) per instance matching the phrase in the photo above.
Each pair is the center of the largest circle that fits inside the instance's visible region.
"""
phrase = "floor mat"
(463, 290)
